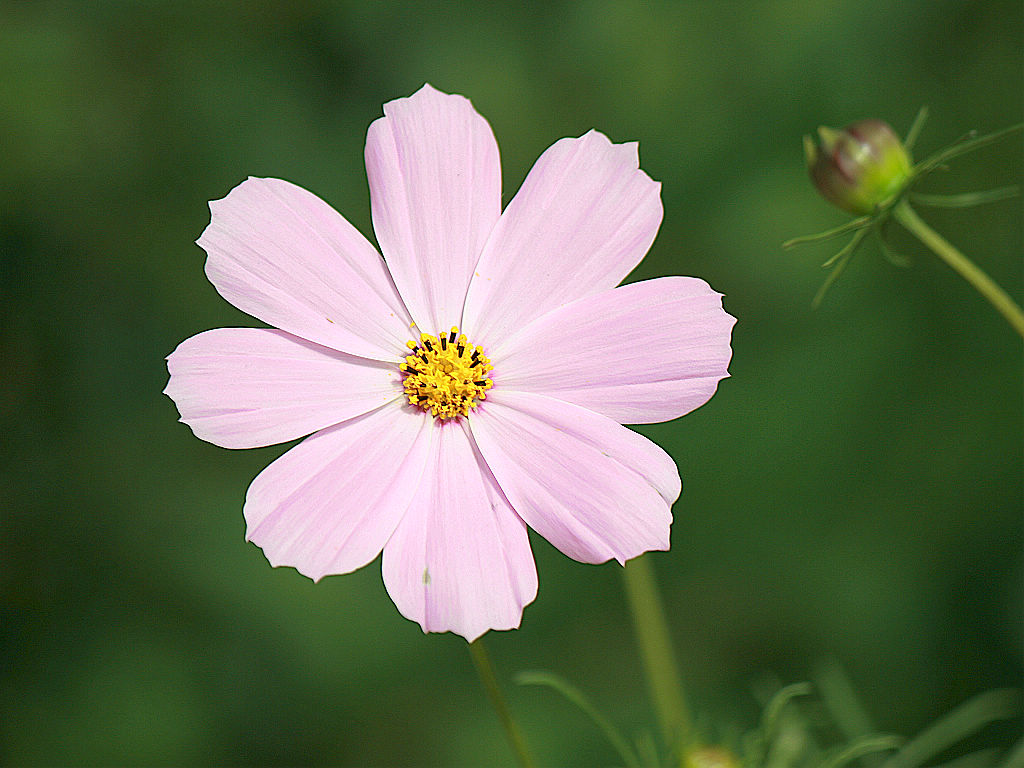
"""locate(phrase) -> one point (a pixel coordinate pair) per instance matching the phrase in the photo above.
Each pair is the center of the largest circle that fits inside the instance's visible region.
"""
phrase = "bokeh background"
(853, 492)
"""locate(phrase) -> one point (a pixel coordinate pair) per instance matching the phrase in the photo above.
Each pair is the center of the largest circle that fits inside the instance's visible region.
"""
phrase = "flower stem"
(999, 299)
(659, 661)
(484, 668)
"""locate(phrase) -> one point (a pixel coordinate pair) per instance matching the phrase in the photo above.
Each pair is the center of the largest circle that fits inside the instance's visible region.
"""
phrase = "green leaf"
(964, 720)
(848, 249)
(840, 260)
(982, 758)
(780, 700)
(1016, 757)
(865, 745)
(915, 128)
(962, 146)
(773, 711)
(841, 700)
(967, 199)
(895, 258)
(830, 280)
(829, 234)
(576, 696)
(647, 748)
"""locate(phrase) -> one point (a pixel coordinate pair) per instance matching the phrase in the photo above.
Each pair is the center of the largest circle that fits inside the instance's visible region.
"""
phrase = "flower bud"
(859, 167)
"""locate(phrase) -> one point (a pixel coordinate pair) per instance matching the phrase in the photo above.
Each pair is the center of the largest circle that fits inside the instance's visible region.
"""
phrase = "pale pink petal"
(284, 256)
(460, 560)
(247, 387)
(330, 503)
(639, 353)
(584, 217)
(435, 194)
(588, 485)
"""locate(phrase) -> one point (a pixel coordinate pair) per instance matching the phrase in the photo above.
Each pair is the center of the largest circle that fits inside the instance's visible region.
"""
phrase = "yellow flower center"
(445, 375)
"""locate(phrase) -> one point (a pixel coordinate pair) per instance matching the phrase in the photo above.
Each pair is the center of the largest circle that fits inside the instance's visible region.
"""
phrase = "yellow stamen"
(446, 375)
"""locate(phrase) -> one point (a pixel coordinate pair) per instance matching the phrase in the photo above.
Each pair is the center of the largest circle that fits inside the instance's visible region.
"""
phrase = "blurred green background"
(853, 492)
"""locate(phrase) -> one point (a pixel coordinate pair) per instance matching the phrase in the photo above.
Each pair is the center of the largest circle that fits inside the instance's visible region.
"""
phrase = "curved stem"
(659, 661)
(984, 284)
(484, 668)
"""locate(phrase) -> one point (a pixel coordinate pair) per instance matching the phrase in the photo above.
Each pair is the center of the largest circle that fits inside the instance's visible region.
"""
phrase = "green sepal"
(966, 199)
(968, 143)
(840, 260)
(896, 258)
(915, 128)
(829, 234)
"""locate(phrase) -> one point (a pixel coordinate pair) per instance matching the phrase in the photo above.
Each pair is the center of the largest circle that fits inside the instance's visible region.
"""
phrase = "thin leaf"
(969, 717)
(847, 249)
(647, 749)
(829, 234)
(895, 258)
(963, 146)
(1016, 757)
(842, 702)
(982, 758)
(865, 745)
(967, 199)
(830, 280)
(575, 696)
(772, 712)
(840, 260)
(791, 742)
(915, 128)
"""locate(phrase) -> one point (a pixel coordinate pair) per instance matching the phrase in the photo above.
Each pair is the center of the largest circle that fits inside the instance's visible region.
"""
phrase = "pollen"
(445, 374)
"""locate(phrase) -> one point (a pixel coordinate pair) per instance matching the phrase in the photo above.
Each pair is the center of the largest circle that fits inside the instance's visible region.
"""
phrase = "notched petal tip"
(315, 577)
(428, 89)
(625, 149)
(425, 94)
(472, 635)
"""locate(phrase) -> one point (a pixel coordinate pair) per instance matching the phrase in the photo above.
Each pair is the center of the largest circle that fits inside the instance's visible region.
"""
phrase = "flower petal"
(284, 256)
(584, 217)
(591, 487)
(435, 194)
(639, 353)
(460, 560)
(330, 503)
(247, 387)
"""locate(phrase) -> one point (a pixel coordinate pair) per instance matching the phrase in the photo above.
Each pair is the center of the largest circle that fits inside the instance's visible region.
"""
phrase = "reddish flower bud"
(859, 167)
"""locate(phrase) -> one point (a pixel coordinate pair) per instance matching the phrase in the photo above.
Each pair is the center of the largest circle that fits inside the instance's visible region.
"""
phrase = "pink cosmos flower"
(471, 383)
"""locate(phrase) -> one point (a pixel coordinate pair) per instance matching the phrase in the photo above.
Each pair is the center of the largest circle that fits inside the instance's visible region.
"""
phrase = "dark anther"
(451, 338)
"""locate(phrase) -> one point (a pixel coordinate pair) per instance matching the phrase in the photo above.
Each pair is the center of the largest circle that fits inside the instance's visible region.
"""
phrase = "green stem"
(656, 653)
(999, 299)
(484, 668)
